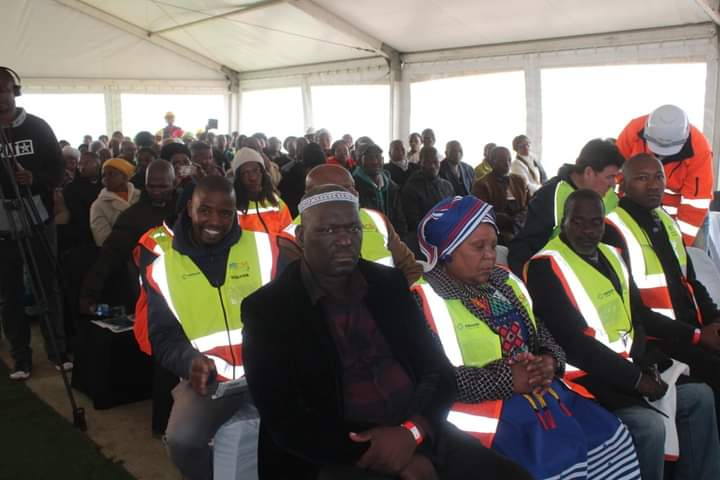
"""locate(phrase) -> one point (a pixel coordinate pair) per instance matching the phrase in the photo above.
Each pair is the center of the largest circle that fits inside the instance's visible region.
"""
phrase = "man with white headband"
(381, 242)
(343, 370)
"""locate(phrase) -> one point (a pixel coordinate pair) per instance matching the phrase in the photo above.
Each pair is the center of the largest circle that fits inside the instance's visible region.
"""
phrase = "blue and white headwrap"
(448, 224)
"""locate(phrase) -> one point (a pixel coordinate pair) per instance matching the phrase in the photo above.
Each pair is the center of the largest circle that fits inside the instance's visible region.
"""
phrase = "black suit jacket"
(294, 373)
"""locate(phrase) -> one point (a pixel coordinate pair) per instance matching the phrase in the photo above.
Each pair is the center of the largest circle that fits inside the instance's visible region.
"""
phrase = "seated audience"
(144, 156)
(422, 191)
(348, 139)
(71, 156)
(376, 190)
(399, 167)
(428, 138)
(508, 367)
(292, 185)
(596, 167)
(274, 152)
(257, 142)
(79, 196)
(506, 192)
(455, 171)
(260, 209)
(484, 167)
(202, 158)
(341, 156)
(526, 165)
(156, 203)
(128, 150)
(222, 154)
(289, 144)
(347, 378)
(414, 141)
(324, 139)
(114, 199)
(582, 290)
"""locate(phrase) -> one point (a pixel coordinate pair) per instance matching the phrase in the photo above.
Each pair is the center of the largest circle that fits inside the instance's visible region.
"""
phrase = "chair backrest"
(706, 272)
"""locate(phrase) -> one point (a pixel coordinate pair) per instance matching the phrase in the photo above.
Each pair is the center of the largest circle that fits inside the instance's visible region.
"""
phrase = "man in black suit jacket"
(343, 369)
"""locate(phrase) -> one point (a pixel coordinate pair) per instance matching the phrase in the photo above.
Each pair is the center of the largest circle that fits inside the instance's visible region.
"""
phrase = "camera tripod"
(25, 226)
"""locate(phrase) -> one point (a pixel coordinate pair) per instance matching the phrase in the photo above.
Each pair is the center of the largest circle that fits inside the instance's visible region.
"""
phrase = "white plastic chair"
(706, 272)
(235, 446)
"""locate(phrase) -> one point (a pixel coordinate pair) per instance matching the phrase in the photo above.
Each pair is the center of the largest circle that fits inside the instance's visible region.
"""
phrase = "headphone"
(17, 88)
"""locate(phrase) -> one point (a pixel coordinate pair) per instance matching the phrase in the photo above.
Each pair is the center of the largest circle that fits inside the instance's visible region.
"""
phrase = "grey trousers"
(15, 322)
(194, 420)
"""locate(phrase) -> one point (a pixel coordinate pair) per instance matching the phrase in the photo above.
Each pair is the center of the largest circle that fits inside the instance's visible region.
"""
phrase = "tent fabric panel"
(419, 25)
(42, 38)
(277, 36)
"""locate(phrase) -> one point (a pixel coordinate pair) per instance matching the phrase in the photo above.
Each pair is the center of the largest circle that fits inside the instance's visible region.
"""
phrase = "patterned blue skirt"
(565, 436)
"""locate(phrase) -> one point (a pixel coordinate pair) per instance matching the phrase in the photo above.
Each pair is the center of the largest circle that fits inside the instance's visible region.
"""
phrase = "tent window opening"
(580, 104)
(146, 112)
(70, 115)
(360, 110)
(277, 112)
(473, 110)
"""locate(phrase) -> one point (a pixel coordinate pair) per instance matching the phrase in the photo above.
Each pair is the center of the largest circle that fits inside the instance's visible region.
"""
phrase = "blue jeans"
(697, 435)
(697, 432)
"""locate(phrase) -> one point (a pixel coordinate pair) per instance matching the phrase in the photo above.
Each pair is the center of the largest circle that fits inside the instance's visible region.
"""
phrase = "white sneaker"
(67, 365)
(21, 372)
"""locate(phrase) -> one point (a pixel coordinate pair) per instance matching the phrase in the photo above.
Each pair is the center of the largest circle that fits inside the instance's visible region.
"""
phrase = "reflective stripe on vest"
(476, 347)
(375, 249)
(210, 316)
(157, 239)
(254, 207)
(563, 191)
(375, 237)
(163, 239)
(607, 314)
(647, 269)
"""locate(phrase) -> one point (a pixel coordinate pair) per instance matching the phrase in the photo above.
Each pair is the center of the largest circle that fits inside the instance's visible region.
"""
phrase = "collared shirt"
(376, 388)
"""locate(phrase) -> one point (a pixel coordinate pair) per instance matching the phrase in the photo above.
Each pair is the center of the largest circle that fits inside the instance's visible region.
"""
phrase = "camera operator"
(38, 165)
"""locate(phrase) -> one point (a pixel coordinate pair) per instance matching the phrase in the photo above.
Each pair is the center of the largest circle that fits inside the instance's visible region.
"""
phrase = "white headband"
(325, 197)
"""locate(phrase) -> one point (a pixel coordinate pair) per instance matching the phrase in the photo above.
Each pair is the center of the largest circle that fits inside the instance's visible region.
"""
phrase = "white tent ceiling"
(194, 39)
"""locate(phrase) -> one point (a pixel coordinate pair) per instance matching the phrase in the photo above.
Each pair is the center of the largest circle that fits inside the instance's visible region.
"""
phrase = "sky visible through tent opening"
(578, 104)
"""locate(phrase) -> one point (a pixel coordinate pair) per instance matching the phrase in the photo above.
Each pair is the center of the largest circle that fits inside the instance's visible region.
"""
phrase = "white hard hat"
(666, 130)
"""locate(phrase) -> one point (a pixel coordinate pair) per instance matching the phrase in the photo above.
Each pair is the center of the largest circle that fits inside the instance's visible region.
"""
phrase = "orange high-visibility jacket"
(265, 218)
(689, 176)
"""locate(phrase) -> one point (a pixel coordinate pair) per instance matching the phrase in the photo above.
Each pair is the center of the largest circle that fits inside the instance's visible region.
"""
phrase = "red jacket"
(689, 176)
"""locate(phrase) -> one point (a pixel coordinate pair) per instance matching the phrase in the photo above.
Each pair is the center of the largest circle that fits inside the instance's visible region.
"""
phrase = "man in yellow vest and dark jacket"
(595, 168)
(583, 291)
(194, 293)
(381, 243)
(652, 246)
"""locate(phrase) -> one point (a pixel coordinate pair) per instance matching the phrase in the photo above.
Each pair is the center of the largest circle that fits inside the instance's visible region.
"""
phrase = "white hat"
(71, 152)
(244, 156)
(666, 130)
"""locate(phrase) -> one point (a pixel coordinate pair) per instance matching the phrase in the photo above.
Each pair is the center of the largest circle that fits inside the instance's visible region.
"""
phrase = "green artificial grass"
(36, 443)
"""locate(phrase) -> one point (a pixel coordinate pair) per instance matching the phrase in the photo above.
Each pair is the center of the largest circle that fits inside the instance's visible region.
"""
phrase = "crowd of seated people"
(274, 260)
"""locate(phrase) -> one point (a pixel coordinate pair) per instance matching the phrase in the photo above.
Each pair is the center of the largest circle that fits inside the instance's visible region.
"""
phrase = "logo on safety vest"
(239, 266)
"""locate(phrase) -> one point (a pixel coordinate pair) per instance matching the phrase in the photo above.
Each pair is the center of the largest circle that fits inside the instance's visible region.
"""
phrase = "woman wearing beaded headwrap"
(507, 365)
